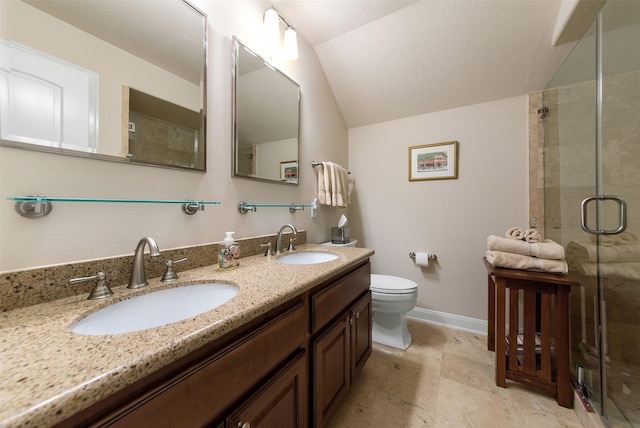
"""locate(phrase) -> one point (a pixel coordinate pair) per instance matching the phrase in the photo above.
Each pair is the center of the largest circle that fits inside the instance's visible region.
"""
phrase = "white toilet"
(392, 298)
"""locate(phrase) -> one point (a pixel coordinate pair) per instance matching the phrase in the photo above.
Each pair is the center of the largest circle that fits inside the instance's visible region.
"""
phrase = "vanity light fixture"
(290, 45)
(271, 23)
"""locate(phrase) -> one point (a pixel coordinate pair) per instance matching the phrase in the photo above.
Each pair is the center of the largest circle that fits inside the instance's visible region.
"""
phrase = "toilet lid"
(392, 284)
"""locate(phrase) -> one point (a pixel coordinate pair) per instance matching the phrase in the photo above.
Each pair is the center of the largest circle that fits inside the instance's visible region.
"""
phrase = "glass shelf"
(245, 207)
(40, 206)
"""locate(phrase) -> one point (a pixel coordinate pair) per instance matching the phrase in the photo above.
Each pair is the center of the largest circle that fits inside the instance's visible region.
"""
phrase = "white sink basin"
(155, 309)
(309, 258)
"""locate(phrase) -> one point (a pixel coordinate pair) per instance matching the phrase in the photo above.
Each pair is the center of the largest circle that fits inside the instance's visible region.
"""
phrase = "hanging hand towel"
(322, 190)
(336, 185)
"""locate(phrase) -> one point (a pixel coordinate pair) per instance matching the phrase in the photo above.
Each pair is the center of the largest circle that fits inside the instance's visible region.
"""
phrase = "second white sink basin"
(309, 258)
(155, 309)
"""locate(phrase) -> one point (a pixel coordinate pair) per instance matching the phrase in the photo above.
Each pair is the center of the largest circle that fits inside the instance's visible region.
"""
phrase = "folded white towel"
(609, 270)
(624, 238)
(546, 249)
(518, 261)
(585, 251)
(515, 233)
(531, 235)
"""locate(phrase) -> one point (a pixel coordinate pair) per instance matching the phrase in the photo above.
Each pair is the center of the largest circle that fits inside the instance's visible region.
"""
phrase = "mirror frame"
(118, 159)
(236, 46)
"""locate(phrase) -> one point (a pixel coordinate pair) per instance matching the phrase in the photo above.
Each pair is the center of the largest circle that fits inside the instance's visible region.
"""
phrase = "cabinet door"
(331, 369)
(361, 323)
(203, 391)
(281, 403)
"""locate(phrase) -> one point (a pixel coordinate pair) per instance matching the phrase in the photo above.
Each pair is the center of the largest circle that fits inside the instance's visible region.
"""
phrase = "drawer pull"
(244, 425)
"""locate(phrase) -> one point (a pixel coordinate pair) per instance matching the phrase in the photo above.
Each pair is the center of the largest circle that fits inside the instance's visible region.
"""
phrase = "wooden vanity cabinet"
(339, 349)
(198, 389)
(288, 368)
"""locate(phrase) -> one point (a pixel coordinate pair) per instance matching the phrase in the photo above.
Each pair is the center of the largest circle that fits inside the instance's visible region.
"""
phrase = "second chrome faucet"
(279, 238)
(138, 279)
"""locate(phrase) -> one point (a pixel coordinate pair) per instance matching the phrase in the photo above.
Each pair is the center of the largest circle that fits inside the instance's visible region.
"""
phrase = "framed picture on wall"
(289, 171)
(433, 161)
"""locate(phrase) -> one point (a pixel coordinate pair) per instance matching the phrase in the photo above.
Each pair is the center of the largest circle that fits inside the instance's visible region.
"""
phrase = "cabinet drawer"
(281, 403)
(201, 393)
(330, 302)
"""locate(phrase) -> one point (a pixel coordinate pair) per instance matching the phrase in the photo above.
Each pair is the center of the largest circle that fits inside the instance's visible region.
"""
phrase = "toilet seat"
(388, 284)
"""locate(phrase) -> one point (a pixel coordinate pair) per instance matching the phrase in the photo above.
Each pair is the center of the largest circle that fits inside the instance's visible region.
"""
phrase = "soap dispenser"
(229, 256)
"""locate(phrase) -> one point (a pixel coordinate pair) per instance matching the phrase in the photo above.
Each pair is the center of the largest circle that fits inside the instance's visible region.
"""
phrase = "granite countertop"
(50, 373)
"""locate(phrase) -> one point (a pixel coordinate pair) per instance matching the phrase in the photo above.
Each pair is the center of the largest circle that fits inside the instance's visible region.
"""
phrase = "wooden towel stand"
(536, 350)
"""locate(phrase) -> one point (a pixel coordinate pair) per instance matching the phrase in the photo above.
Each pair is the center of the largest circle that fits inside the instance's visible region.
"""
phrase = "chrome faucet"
(138, 279)
(279, 237)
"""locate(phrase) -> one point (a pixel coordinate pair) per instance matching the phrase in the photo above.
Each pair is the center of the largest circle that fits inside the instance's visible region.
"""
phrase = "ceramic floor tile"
(445, 379)
(468, 372)
(461, 405)
(413, 383)
(469, 345)
(525, 407)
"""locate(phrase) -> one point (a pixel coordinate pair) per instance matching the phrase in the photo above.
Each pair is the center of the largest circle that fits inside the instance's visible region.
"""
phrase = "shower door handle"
(622, 210)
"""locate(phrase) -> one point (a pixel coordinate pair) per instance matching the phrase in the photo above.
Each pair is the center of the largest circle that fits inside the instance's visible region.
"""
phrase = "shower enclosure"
(592, 206)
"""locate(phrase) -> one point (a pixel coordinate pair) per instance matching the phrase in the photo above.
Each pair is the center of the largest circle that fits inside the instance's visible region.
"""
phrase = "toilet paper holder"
(412, 255)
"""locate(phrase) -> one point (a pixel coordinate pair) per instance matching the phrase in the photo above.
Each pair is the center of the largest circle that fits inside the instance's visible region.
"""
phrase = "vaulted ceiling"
(388, 59)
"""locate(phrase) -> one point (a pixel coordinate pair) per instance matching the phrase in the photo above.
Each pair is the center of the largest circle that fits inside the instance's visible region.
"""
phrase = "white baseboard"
(444, 319)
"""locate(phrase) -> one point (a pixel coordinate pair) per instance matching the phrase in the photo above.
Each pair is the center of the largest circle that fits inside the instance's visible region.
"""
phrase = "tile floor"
(444, 379)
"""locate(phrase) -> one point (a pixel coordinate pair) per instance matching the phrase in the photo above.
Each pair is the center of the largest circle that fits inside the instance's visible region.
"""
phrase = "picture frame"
(289, 171)
(433, 161)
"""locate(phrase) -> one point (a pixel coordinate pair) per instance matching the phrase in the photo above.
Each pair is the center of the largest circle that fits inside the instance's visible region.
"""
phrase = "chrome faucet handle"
(269, 249)
(291, 247)
(100, 291)
(170, 274)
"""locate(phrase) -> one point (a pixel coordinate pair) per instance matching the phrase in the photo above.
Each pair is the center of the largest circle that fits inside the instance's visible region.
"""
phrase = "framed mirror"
(266, 119)
(122, 81)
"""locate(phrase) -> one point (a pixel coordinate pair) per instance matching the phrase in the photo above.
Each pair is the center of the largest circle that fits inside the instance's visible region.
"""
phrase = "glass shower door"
(618, 153)
(571, 176)
(592, 154)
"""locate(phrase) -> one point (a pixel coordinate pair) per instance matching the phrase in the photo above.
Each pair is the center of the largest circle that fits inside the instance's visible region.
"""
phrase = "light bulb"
(272, 27)
(290, 44)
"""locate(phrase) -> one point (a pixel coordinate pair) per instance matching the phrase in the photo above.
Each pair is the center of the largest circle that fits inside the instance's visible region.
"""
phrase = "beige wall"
(75, 232)
(451, 218)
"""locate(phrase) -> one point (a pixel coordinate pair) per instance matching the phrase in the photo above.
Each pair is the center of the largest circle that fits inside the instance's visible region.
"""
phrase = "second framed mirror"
(266, 119)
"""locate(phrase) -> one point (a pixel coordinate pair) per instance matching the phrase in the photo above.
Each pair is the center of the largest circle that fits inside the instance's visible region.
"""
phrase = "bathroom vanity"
(283, 352)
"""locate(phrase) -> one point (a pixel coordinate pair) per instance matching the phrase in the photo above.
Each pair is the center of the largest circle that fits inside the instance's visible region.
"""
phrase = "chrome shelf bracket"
(34, 209)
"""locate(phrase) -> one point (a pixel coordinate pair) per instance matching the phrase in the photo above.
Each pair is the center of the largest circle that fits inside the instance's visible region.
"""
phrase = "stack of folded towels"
(527, 251)
(614, 256)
